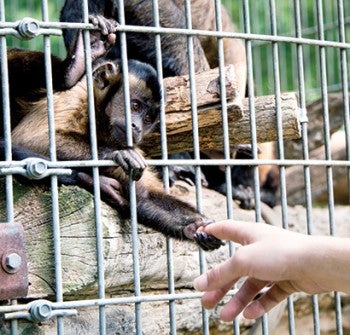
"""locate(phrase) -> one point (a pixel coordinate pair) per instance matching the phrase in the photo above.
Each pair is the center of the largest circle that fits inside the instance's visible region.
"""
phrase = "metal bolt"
(12, 262)
(36, 168)
(40, 310)
(28, 28)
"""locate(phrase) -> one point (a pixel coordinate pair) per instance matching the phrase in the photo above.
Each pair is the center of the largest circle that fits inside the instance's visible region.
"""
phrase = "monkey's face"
(144, 116)
(144, 111)
(144, 90)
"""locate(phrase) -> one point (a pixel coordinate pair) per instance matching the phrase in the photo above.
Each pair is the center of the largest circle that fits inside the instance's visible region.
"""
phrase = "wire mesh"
(290, 46)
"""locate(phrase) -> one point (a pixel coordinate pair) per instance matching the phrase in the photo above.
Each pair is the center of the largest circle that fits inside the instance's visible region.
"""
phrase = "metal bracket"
(35, 168)
(38, 311)
(13, 262)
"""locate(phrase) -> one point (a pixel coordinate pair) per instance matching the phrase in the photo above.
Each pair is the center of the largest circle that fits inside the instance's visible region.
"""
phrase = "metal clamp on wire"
(28, 28)
(37, 168)
(40, 310)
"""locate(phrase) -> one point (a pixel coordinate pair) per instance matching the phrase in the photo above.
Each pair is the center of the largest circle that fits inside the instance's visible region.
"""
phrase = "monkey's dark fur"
(155, 209)
(175, 62)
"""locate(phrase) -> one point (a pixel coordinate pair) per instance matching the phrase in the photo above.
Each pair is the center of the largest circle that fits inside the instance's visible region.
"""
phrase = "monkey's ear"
(106, 74)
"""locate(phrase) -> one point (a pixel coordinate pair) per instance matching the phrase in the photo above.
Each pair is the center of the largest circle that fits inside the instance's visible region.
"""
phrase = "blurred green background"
(259, 12)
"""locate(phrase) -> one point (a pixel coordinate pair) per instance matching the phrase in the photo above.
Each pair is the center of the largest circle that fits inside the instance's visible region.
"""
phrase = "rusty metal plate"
(13, 262)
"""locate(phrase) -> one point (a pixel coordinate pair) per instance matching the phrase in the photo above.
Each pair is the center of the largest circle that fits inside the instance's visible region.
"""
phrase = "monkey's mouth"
(118, 136)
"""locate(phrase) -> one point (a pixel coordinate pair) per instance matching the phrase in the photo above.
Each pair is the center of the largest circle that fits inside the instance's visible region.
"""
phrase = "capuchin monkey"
(155, 209)
(141, 46)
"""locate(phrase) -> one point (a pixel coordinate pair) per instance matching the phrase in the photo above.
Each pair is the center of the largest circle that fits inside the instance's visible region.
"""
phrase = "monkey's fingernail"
(200, 229)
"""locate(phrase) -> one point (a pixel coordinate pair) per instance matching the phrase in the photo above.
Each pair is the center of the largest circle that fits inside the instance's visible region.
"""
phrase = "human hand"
(282, 261)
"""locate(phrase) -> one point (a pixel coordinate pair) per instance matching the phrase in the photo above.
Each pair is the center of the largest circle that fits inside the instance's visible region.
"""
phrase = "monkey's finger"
(207, 242)
(106, 25)
(111, 182)
(135, 159)
(111, 38)
(99, 21)
(131, 161)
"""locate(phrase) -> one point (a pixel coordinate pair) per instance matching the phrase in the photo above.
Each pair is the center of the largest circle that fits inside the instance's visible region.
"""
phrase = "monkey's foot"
(131, 161)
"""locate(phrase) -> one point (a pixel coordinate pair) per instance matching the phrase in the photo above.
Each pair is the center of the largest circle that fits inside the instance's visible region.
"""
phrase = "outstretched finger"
(238, 231)
(218, 277)
(267, 301)
(212, 298)
(246, 293)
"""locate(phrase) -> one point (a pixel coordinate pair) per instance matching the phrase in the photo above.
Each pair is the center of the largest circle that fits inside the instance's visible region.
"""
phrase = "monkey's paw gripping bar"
(38, 311)
(35, 168)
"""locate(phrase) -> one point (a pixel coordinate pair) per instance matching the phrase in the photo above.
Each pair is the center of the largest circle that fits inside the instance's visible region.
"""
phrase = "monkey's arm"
(174, 47)
(172, 217)
(72, 11)
(142, 46)
(101, 40)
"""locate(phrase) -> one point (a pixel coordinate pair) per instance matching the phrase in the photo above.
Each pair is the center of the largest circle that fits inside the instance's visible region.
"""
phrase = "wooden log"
(33, 209)
(296, 183)
(293, 148)
(208, 101)
(211, 135)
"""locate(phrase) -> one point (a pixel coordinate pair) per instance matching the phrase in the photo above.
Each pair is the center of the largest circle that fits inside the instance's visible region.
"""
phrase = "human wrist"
(326, 262)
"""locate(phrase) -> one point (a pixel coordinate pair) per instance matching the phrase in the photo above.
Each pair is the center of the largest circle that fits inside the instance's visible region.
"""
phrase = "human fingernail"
(201, 283)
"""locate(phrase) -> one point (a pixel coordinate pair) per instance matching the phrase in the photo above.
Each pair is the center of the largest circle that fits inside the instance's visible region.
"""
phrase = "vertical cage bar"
(54, 184)
(95, 172)
(225, 127)
(7, 137)
(224, 115)
(325, 106)
(6, 117)
(304, 120)
(165, 169)
(133, 203)
(196, 149)
(345, 90)
(250, 82)
(344, 83)
(280, 147)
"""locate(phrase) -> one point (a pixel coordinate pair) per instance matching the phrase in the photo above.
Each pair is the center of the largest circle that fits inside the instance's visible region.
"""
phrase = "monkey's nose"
(136, 128)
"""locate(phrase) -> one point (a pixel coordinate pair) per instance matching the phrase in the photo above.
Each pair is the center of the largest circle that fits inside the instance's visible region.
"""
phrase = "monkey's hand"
(111, 190)
(131, 161)
(103, 38)
(206, 242)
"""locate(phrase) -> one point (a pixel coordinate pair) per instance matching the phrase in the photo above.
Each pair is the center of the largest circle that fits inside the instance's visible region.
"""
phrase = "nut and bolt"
(28, 28)
(11, 262)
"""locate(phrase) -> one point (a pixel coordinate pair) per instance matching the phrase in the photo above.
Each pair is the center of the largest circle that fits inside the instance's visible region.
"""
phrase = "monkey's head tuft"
(148, 74)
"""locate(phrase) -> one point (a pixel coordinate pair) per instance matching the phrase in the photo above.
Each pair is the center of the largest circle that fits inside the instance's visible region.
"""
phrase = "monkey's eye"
(135, 105)
(148, 118)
